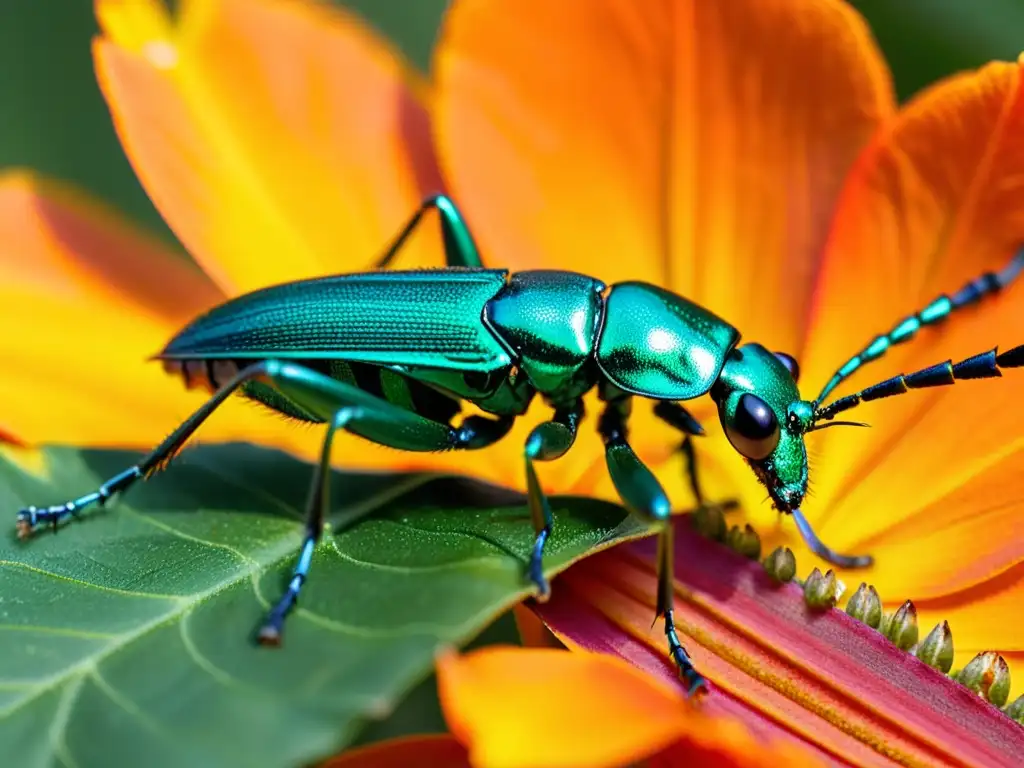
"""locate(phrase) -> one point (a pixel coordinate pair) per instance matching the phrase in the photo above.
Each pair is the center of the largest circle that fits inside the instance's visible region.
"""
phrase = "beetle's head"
(765, 419)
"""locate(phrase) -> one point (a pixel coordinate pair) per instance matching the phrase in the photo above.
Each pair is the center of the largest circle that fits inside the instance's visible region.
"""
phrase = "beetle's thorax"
(549, 322)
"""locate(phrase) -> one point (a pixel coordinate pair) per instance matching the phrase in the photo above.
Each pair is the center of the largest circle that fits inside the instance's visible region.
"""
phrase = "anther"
(865, 605)
(988, 675)
(821, 592)
(936, 650)
(1016, 710)
(709, 522)
(745, 541)
(902, 627)
(781, 565)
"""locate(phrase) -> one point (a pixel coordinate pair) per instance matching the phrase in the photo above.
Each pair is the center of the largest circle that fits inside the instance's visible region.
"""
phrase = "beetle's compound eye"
(753, 429)
(791, 364)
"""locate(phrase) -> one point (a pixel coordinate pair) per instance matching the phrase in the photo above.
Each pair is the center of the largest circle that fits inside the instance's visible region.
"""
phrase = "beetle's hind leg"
(547, 441)
(643, 494)
(31, 518)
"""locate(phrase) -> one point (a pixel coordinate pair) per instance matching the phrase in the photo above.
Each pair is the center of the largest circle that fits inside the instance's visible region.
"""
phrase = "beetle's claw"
(269, 636)
(543, 591)
(24, 523)
(698, 686)
(537, 577)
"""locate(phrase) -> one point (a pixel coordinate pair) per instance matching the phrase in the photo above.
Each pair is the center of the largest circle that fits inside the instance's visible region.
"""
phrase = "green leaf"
(127, 637)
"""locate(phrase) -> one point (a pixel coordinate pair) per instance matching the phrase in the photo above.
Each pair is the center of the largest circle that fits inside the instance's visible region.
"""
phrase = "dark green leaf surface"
(126, 637)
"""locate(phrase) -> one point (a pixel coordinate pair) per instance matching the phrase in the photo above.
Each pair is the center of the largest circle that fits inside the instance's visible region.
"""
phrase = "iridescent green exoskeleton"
(392, 356)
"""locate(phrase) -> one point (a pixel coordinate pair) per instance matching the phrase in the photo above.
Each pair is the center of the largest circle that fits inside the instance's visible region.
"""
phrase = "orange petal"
(435, 751)
(542, 707)
(279, 139)
(697, 145)
(933, 487)
(545, 707)
(983, 619)
(935, 200)
(91, 298)
(59, 242)
(819, 676)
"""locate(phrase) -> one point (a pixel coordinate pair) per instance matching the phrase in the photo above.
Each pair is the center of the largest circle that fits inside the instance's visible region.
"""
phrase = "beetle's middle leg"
(474, 432)
(643, 494)
(547, 441)
(678, 417)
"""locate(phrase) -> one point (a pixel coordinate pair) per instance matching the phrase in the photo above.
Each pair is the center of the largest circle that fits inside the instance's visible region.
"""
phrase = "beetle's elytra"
(391, 356)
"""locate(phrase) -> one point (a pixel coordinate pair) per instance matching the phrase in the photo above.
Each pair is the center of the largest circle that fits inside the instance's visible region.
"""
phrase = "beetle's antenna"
(818, 547)
(826, 425)
(937, 310)
(987, 365)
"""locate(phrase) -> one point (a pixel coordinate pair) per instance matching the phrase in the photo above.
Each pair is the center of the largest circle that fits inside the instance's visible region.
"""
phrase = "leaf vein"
(83, 583)
(188, 537)
(61, 717)
(129, 706)
(85, 634)
(490, 561)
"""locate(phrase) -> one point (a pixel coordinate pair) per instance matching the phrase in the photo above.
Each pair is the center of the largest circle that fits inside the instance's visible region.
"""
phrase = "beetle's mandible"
(391, 356)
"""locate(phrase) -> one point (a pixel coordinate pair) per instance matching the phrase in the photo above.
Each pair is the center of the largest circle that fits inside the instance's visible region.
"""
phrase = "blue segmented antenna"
(984, 366)
(936, 311)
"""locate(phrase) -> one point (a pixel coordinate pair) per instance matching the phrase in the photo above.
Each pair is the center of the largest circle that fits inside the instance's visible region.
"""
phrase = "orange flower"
(747, 155)
(499, 705)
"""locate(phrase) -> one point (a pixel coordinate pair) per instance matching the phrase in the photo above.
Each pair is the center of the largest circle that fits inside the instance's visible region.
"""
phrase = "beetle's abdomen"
(548, 320)
(405, 392)
(203, 374)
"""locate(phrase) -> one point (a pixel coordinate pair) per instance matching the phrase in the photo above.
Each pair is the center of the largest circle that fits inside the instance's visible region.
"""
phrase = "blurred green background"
(54, 120)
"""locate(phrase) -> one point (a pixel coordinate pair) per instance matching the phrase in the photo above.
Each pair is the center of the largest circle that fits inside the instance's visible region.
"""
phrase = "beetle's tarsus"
(31, 518)
(695, 682)
(269, 635)
(537, 566)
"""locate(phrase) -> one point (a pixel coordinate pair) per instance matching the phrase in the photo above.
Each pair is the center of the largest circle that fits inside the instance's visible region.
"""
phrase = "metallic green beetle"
(391, 356)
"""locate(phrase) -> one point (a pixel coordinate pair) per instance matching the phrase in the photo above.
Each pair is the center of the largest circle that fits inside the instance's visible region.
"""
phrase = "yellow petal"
(278, 139)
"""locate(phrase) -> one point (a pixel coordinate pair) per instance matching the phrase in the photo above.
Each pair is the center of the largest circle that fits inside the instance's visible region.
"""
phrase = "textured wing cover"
(429, 318)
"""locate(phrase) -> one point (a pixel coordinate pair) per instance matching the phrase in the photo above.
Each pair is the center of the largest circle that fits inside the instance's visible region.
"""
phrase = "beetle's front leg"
(643, 494)
(678, 417)
(547, 441)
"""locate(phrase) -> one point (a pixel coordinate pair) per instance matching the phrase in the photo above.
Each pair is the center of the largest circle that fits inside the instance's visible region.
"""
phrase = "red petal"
(824, 676)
